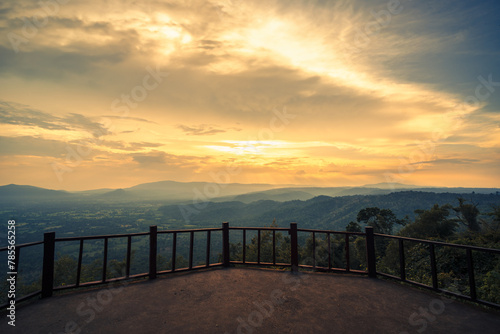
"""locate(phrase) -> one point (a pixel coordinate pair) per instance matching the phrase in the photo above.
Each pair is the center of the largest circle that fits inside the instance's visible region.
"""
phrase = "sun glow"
(249, 147)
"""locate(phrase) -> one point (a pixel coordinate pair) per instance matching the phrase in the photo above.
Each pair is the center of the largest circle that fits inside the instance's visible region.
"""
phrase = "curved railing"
(224, 259)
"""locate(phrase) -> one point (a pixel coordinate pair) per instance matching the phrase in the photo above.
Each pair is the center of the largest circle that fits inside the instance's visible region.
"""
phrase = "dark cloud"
(52, 63)
(18, 114)
(84, 123)
(37, 56)
(209, 45)
(4, 12)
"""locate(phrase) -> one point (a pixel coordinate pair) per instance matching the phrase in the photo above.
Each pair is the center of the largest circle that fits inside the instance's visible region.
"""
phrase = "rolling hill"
(321, 212)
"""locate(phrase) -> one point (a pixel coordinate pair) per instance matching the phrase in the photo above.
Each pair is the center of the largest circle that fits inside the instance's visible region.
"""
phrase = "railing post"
(225, 244)
(402, 262)
(432, 254)
(129, 251)
(347, 254)
(152, 251)
(105, 260)
(370, 252)
(294, 254)
(470, 269)
(49, 246)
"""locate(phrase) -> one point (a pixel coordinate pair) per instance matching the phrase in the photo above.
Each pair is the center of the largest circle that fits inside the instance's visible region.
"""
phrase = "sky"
(110, 94)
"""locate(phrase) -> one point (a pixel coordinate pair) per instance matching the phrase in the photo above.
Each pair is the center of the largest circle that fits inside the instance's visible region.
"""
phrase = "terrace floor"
(241, 300)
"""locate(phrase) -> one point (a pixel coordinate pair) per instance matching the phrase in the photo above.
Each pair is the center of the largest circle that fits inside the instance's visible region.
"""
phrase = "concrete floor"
(240, 300)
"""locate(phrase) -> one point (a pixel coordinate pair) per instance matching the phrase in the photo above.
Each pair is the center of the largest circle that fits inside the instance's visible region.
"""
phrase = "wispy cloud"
(447, 161)
(160, 159)
(17, 114)
(201, 130)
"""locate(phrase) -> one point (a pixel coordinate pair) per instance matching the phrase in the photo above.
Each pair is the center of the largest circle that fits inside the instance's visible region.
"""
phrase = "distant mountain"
(93, 191)
(21, 193)
(118, 194)
(207, 189)
(391, 185)
(189, 192)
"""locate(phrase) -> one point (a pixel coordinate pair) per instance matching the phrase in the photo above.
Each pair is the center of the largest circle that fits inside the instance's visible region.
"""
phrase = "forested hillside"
(320, 212)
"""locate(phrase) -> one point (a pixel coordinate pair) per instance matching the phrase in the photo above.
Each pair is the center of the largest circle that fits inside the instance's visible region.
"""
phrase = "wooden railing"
(433, 264)
(50, 241)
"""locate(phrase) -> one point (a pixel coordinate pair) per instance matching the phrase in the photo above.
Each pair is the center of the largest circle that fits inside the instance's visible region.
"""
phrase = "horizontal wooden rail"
(259, 228)
(440, 243)
(332, 232)
(23, 245)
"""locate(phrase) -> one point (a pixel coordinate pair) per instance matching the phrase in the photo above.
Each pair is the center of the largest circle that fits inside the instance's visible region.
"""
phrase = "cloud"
(18, 114)
(447, 161)
(128, 118)
(200, 130)
(160, 159)
(133, 146)
(39, 64)
(84, 123)
(32, 146)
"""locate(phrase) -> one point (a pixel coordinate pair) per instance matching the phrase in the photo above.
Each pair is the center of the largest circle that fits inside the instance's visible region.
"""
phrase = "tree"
(467, 214)
(492, 225)
(382, 220)
(433, 223)
(65, 270)
(353, 227)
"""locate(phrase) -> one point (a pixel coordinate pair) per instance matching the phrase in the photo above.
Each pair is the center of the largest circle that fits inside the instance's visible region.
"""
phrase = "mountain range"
(191, 192)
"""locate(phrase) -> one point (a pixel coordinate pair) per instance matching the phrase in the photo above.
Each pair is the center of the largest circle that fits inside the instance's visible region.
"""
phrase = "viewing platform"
(243, 300)
(238, 292)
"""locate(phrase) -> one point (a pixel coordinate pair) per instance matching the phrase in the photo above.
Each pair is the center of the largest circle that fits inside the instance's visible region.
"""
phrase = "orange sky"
(327, 93)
